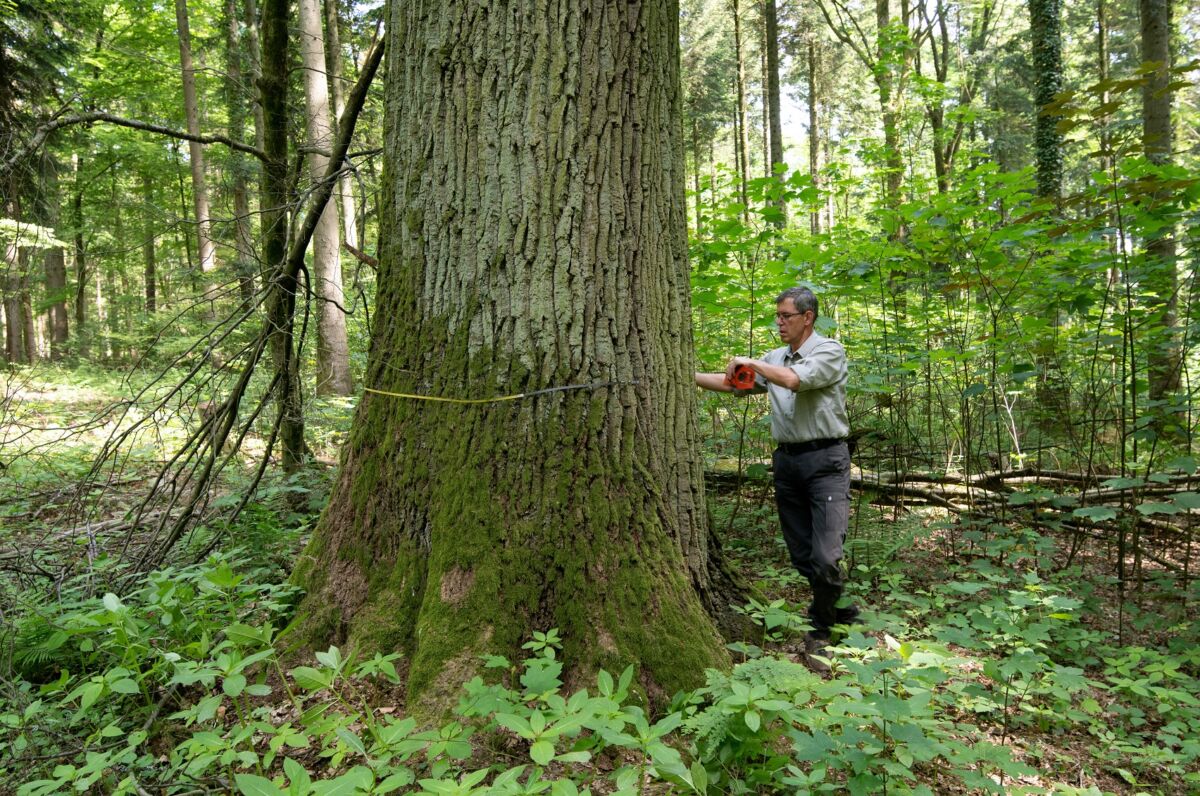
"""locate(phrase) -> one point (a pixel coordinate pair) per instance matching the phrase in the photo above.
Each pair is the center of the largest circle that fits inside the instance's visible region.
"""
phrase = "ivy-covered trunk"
(534, 237)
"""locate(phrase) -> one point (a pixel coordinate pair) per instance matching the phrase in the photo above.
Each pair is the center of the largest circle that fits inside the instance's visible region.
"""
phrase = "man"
(805, 380)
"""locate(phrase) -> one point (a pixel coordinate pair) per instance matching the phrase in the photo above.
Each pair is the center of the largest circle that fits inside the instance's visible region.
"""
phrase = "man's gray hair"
(802, 298)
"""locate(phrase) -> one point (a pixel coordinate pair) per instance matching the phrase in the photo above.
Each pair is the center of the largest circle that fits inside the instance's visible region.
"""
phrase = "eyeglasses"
(786, 316)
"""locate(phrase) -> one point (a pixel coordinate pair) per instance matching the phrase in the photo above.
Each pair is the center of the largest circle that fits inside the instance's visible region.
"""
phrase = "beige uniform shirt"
(817, 409)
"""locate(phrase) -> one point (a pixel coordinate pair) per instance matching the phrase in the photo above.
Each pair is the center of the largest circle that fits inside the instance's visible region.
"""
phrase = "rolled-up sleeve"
(823, 366)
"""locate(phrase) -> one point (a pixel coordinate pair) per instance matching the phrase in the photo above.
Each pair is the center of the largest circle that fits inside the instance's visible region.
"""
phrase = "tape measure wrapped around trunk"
(743, 378)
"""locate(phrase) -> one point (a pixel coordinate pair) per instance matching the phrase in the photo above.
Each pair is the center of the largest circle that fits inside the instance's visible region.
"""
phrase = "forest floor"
(990, 657)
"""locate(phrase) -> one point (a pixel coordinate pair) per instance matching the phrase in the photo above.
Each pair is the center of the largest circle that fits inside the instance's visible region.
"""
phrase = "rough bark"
(1164, 354)
(534, 237)
(206, 246)
(333, 350)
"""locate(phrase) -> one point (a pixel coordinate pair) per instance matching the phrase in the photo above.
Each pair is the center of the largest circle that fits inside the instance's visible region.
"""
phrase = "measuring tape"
(442, 399)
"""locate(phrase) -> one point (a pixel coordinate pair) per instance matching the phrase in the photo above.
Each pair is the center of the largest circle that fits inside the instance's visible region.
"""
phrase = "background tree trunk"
(333, 350)
(814, 132)
(333, 58)
(206, 246)
(54, 260)
(773, 112)
(534, 238)
(281, 305)
(80, 254)
(743, 137)
(1045, 31)
(235, 98)
(1164, 353)
(149, 259)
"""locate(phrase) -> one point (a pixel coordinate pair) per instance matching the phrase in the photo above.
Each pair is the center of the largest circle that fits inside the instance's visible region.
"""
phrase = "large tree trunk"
(333, 350)
(534, 238)
(1164, 354)
(207, 249)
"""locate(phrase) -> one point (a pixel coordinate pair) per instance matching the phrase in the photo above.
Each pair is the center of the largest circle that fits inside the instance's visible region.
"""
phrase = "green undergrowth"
(986, 674)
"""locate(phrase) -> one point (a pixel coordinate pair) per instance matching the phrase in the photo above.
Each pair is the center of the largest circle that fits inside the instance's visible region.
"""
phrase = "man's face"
(792, 325)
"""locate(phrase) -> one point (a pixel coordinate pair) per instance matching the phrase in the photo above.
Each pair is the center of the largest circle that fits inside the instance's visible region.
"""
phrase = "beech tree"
(534, 238)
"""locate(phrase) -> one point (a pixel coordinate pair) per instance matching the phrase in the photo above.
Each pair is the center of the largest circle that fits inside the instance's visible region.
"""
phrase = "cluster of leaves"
(177, 685)
(1041, 669)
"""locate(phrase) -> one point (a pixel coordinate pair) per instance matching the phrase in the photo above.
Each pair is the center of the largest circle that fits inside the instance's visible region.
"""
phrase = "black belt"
(810, 446)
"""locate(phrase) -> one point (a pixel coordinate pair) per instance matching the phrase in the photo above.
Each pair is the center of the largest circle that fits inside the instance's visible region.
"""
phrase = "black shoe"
(848, 615)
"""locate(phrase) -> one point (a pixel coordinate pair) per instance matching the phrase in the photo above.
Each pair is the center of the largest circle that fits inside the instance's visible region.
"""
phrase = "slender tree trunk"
(28, 319)
(814, 132)
(774, 116)
(14, 334)
(743, 140)
(456, 529)
(254, 59)
(333, 350)
(80, 254)
(243, 243)
(889, 105)
(54, 260)
(1045, 30)
(281, 306)
(206, 246)
(1164, 353)
(696, 192)
(333, 55)
(148, 255)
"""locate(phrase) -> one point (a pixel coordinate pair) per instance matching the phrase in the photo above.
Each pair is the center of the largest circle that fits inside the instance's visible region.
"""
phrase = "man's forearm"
(776, 374)
(713, 381)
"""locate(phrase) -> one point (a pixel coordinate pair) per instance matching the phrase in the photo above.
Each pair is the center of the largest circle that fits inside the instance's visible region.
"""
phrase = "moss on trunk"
(534, 238)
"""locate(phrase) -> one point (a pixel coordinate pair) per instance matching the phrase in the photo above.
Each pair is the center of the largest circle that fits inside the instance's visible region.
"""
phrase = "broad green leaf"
(254, 785)
(299, 779)
(310, 679)
(542, 752)
(125, 686)
(112, 602)
(351, 740)
(234, 685)
(1186, 500)
(1147, 509)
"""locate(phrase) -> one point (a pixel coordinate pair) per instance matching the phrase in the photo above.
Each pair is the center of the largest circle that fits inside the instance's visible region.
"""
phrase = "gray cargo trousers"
(812, 493)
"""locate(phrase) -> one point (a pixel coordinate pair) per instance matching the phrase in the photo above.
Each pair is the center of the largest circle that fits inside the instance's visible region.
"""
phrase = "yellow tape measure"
(444, 399)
